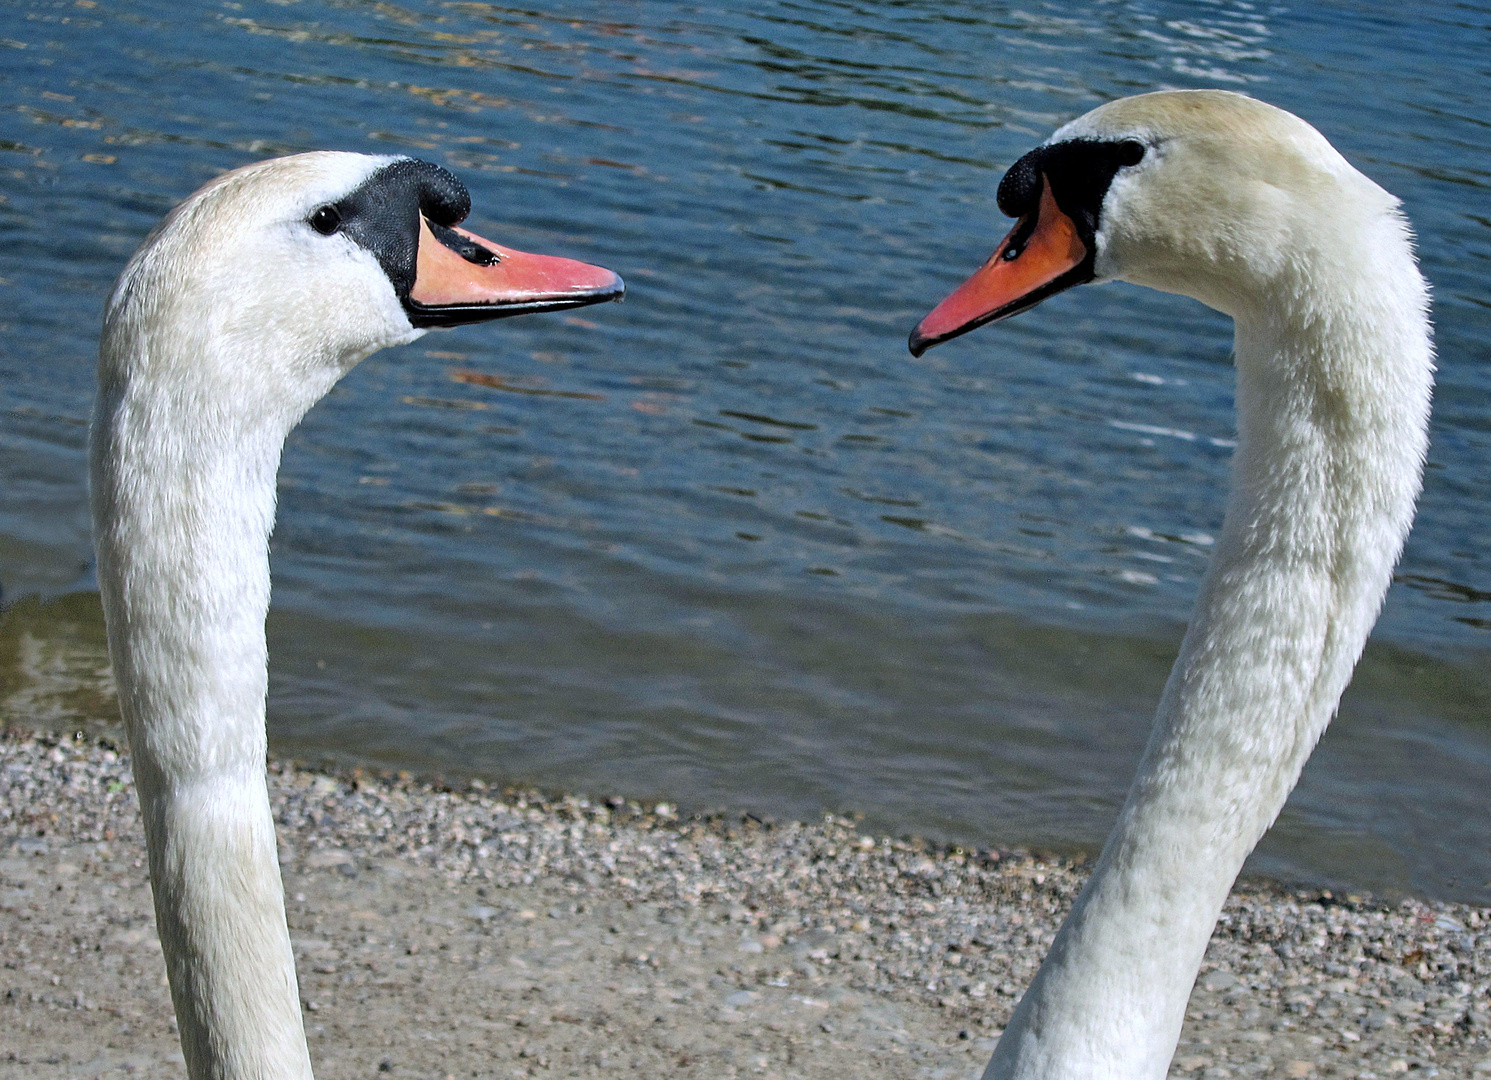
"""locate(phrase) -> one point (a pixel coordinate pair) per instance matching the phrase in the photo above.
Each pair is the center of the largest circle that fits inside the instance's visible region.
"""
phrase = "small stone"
(1299, 1069)
(1217, 981)
(327, 858)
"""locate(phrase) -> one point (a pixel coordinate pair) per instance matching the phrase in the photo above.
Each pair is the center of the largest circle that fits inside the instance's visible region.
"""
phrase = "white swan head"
(275, 279)
(1206, 193)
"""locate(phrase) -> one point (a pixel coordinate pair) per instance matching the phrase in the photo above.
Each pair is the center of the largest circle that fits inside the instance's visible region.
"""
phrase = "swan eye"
(1130, 152)
(326, 220)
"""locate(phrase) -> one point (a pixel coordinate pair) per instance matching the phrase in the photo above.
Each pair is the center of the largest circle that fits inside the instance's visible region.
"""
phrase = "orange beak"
(460, 277)
(1042, 255)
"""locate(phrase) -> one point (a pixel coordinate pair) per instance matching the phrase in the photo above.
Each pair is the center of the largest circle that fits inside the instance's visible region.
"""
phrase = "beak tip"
(919, 343)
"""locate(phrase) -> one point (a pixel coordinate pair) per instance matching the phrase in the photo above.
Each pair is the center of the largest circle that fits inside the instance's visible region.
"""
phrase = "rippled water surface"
(728, 543)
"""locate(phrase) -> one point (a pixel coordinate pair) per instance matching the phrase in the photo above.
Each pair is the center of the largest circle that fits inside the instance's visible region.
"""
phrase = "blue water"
(739, 549)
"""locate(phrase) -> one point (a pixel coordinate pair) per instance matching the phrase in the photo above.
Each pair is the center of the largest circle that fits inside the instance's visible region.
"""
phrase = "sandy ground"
(455, 934)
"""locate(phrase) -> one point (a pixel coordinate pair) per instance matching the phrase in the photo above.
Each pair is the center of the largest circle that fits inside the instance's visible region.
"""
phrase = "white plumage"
(230, 322)
(1250, 210)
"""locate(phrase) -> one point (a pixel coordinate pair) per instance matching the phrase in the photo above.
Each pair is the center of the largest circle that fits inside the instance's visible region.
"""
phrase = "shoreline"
(55, 675)
(444, 932)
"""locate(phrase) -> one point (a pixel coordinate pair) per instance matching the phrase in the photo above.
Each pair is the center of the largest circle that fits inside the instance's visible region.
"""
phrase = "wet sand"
(473, 933)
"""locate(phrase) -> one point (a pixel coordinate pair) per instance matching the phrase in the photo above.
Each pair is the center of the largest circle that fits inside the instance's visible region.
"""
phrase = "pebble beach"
(477, 933)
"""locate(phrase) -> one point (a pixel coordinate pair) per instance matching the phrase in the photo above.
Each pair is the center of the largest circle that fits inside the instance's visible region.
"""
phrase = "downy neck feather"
(1334, 374)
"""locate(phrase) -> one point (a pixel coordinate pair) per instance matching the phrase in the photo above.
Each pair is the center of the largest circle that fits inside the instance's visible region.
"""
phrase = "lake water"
(728, 544)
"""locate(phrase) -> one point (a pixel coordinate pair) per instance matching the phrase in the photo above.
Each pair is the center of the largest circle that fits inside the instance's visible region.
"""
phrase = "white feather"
(1250, 210)
(229, 323)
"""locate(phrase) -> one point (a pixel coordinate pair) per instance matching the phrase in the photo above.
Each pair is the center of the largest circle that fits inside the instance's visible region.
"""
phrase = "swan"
(241, 310)
(1250, 210)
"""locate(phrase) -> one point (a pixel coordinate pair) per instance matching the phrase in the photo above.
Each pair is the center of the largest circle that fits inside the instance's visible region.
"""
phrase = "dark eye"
(1130, 152)
(326, 220)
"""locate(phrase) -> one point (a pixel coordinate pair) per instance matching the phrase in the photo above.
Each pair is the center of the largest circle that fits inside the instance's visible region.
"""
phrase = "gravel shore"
(446, 933)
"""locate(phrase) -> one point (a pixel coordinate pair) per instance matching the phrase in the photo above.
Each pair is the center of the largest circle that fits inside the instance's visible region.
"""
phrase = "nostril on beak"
(464, 246)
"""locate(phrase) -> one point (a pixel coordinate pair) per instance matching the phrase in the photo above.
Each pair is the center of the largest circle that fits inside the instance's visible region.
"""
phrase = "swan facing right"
(1250, 210)
(239, 312)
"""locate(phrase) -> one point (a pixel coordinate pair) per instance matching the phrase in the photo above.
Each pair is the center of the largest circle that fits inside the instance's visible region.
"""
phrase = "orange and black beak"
(461, 278)
(1042, 255)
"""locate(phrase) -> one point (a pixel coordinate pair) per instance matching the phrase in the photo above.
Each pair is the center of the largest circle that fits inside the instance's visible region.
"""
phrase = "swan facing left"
(241, 310)
(1250, 210)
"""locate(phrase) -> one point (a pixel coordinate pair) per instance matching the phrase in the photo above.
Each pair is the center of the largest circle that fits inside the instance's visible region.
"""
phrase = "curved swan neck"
(183, 499)
(240, 311)
(1333, 386)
